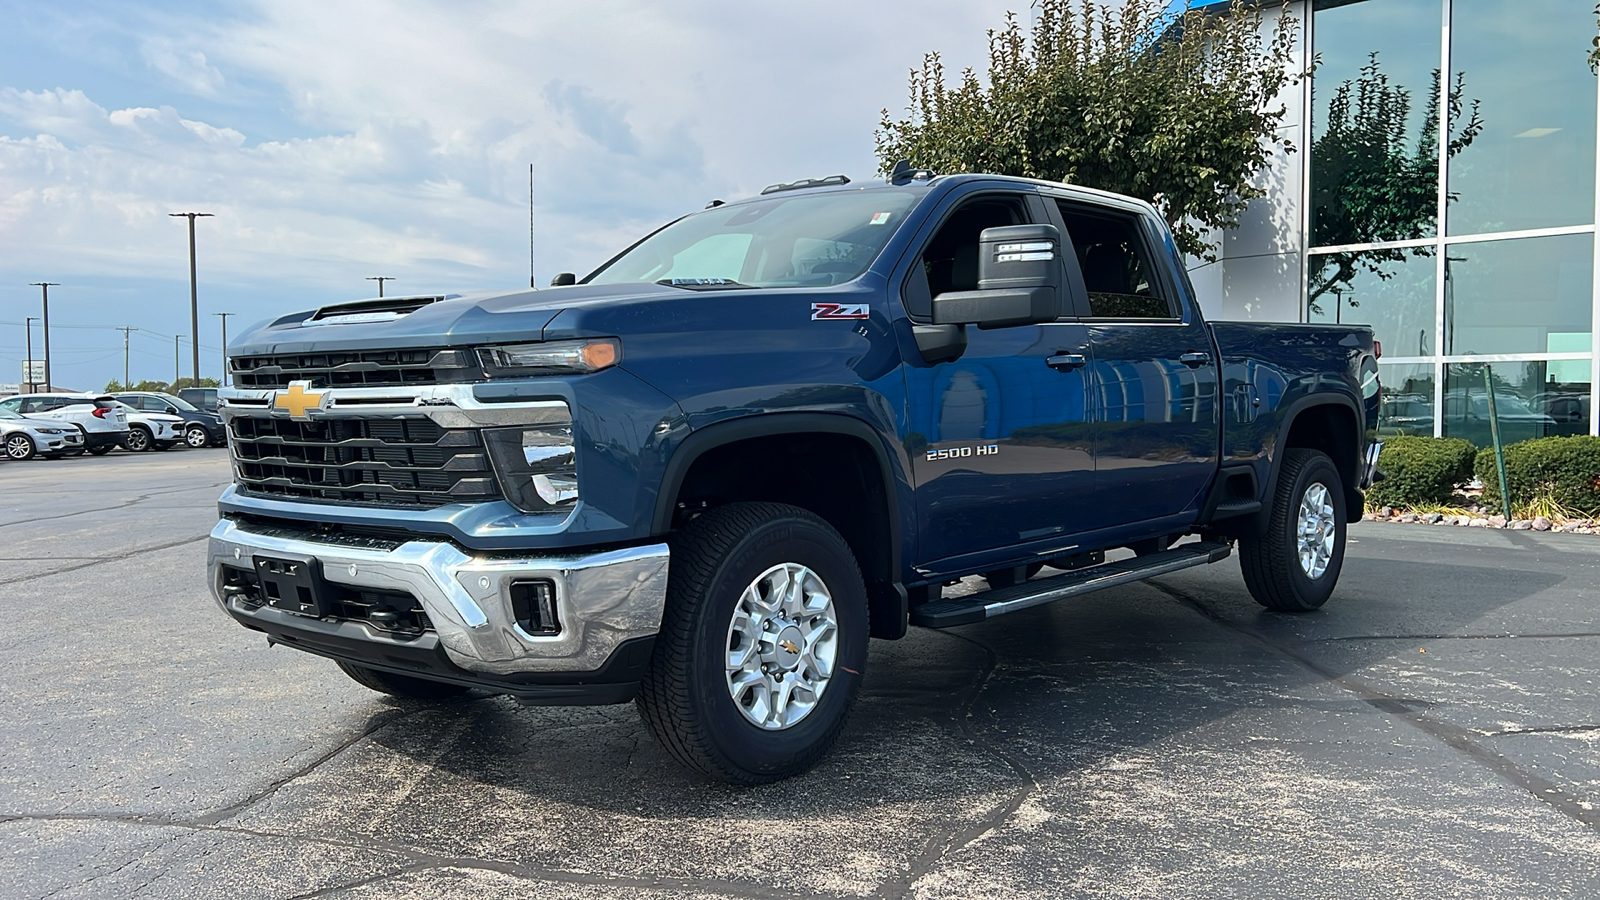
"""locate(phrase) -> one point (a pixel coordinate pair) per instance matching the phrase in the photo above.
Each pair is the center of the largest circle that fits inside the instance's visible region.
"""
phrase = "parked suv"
(23, 438)
(200, 428)
(203, 398)
(103, 421)
(151, 430)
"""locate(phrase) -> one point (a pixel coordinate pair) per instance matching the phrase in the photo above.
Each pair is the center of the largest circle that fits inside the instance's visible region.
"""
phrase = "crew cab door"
(1154, 380)
(999, 439)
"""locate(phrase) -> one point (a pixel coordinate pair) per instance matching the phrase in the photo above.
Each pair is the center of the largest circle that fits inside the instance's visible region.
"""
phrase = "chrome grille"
(357, 368)
(401, 461)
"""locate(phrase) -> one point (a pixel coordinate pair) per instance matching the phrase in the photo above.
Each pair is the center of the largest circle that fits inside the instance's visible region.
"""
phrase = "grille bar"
(398, 461)
(357, 368)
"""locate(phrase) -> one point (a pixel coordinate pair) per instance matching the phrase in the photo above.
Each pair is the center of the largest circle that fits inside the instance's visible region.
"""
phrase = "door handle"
(1063, 362)
(1195, 360)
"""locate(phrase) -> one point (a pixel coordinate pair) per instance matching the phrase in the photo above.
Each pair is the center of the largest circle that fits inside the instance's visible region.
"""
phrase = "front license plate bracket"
(293, 584)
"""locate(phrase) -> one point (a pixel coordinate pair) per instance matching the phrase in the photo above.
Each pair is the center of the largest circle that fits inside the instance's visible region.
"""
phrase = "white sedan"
(23, 437)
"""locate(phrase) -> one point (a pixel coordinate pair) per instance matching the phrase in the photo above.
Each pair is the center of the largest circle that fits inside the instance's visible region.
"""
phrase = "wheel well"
(1331, 428)
(837, 476)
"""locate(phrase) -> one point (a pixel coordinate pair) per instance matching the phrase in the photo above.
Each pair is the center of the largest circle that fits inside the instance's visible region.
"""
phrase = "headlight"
(537, 465)
(554, 358)
(49, 431)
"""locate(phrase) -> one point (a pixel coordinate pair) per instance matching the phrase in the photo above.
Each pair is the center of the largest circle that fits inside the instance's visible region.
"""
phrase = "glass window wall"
(1529, 159)
(1407, 405)
(1374, 142)
(1529, 400)
(1391, 290)
(1530, 295)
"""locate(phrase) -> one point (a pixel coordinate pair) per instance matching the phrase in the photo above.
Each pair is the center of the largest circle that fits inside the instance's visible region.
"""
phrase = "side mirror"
(1019, 280)
(564, 279)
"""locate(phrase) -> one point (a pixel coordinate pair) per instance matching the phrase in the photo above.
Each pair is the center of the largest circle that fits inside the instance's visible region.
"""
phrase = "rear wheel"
(101, 450)
(762, 643)
(196, 437)
(139, 439)
(1295, 564)
(401, 685)
(19, 446)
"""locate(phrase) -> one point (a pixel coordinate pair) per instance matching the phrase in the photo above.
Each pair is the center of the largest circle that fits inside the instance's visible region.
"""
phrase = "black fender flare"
(1324, 398)
(720, 434)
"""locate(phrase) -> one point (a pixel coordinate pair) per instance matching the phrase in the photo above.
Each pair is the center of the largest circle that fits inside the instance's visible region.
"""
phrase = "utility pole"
(225, 339)
(44, 287)
(28, 324)
(533, 280)
(380, 279)
(177, 370)
(194, 295)
(126, 330)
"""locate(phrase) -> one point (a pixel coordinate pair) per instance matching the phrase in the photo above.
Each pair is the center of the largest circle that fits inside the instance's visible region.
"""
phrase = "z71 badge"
(821, 311)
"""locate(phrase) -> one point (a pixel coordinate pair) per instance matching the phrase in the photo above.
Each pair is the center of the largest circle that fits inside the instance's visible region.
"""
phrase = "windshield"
(8, 414)
(179, 402)
(810, 240)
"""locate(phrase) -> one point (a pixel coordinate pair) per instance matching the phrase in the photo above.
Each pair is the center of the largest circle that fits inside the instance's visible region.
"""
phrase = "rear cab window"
(1115, 261)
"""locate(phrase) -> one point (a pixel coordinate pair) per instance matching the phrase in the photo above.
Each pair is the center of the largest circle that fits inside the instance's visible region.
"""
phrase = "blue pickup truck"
(702, 476)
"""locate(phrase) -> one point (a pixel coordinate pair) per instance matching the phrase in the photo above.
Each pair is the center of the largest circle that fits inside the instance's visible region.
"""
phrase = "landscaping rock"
(1521, 525)
(1497, 521)
(1541, 524)
(1408, 517)
(1387, 512)
(1433, 518)
(1480, 522)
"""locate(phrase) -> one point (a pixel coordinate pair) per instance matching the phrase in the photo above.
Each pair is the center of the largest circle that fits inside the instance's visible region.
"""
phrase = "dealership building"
(1456, 215)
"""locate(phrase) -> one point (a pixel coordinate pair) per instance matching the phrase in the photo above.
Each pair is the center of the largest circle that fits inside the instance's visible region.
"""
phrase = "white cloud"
(186, 68)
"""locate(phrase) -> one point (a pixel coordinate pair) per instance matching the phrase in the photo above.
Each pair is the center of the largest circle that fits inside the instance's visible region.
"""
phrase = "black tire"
(1000, 578)
(401, 685)
(685, 696)
(101, 450)
(139, 440)
(1271, 561)
(20, 447)
(196, 437)
(164, 445)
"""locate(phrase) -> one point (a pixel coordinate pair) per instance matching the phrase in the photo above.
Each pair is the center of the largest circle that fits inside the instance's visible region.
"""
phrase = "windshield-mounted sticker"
(879, 218)
(820, 311)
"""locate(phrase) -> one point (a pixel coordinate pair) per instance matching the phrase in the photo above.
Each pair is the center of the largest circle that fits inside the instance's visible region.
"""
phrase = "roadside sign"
(33, 371)
(7, 390)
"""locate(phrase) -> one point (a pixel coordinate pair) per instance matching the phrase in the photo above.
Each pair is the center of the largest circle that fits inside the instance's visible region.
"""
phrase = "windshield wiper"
(704, 284)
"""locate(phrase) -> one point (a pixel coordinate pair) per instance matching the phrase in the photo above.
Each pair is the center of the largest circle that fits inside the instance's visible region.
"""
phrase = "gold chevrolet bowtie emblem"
(297, 400)
(789, 646)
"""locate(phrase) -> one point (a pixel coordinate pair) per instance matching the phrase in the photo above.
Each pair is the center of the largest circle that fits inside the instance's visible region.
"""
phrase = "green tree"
(1370, 181)
(1177, 109)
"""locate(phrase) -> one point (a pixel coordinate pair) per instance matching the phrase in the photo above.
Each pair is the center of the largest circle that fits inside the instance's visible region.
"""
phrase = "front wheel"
(19, 446)
(1293, 566)
(196, 437)
(762, 643)
(139, 440)
(101, 450)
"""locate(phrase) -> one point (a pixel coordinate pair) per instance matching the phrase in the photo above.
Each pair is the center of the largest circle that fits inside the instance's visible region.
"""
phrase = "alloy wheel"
(196, 437)
(782, 644)
(19, 447)
(1317, 530)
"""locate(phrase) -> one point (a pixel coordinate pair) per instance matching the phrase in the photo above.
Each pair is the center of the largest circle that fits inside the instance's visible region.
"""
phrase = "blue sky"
(335, 141)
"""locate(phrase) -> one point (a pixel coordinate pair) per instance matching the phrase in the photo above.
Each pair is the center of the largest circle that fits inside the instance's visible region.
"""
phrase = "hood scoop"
(381, 309)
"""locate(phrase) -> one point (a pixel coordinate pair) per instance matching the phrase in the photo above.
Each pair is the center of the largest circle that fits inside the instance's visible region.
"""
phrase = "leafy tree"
(161, 387)
(1370, 182)
(1176, 109)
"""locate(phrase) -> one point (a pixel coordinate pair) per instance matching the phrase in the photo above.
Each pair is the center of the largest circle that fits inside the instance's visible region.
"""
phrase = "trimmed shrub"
(1563, 469)
(1421, 470)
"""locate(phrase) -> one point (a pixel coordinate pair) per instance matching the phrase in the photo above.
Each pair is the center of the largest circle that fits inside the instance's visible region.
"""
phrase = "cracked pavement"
(1433, 731)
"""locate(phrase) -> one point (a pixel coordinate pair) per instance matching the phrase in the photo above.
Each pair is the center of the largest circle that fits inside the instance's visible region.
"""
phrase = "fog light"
(533, 604)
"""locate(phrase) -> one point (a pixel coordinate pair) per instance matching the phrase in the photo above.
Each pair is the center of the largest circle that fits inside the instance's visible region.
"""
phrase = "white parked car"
(102, 420)
(23, 438)
(150, 430)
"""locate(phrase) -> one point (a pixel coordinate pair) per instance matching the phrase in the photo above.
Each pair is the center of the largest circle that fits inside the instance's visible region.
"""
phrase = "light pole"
(224, 346)
(28, 325)
(194, 297)
(380, 279)
(44, 288)
(126, 330)
(177, 366)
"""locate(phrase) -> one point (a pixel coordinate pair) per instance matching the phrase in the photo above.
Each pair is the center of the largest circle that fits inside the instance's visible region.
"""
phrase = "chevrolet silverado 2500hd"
(701, 477)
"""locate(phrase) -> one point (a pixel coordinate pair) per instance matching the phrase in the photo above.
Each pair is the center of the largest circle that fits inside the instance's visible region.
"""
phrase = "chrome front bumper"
(602, 599)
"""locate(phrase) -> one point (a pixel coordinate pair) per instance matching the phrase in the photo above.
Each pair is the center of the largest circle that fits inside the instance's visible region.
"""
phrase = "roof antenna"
(533, 281)
(905, 173)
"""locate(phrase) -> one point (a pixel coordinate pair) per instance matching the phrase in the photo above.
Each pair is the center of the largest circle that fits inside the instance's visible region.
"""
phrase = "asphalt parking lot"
(1433, 732)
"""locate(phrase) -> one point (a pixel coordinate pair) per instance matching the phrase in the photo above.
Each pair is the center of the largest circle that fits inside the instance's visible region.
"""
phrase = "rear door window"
(1116, 265)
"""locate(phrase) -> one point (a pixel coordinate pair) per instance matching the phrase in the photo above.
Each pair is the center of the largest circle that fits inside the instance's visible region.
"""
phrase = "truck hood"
(464, 320)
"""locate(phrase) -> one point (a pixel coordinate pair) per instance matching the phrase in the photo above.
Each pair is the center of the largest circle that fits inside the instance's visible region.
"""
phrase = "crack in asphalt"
(1456, 637)
(954, 838)
(1454, 736)
(139, 499)
(1550, 729)
(104, 560)
(423, 860)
